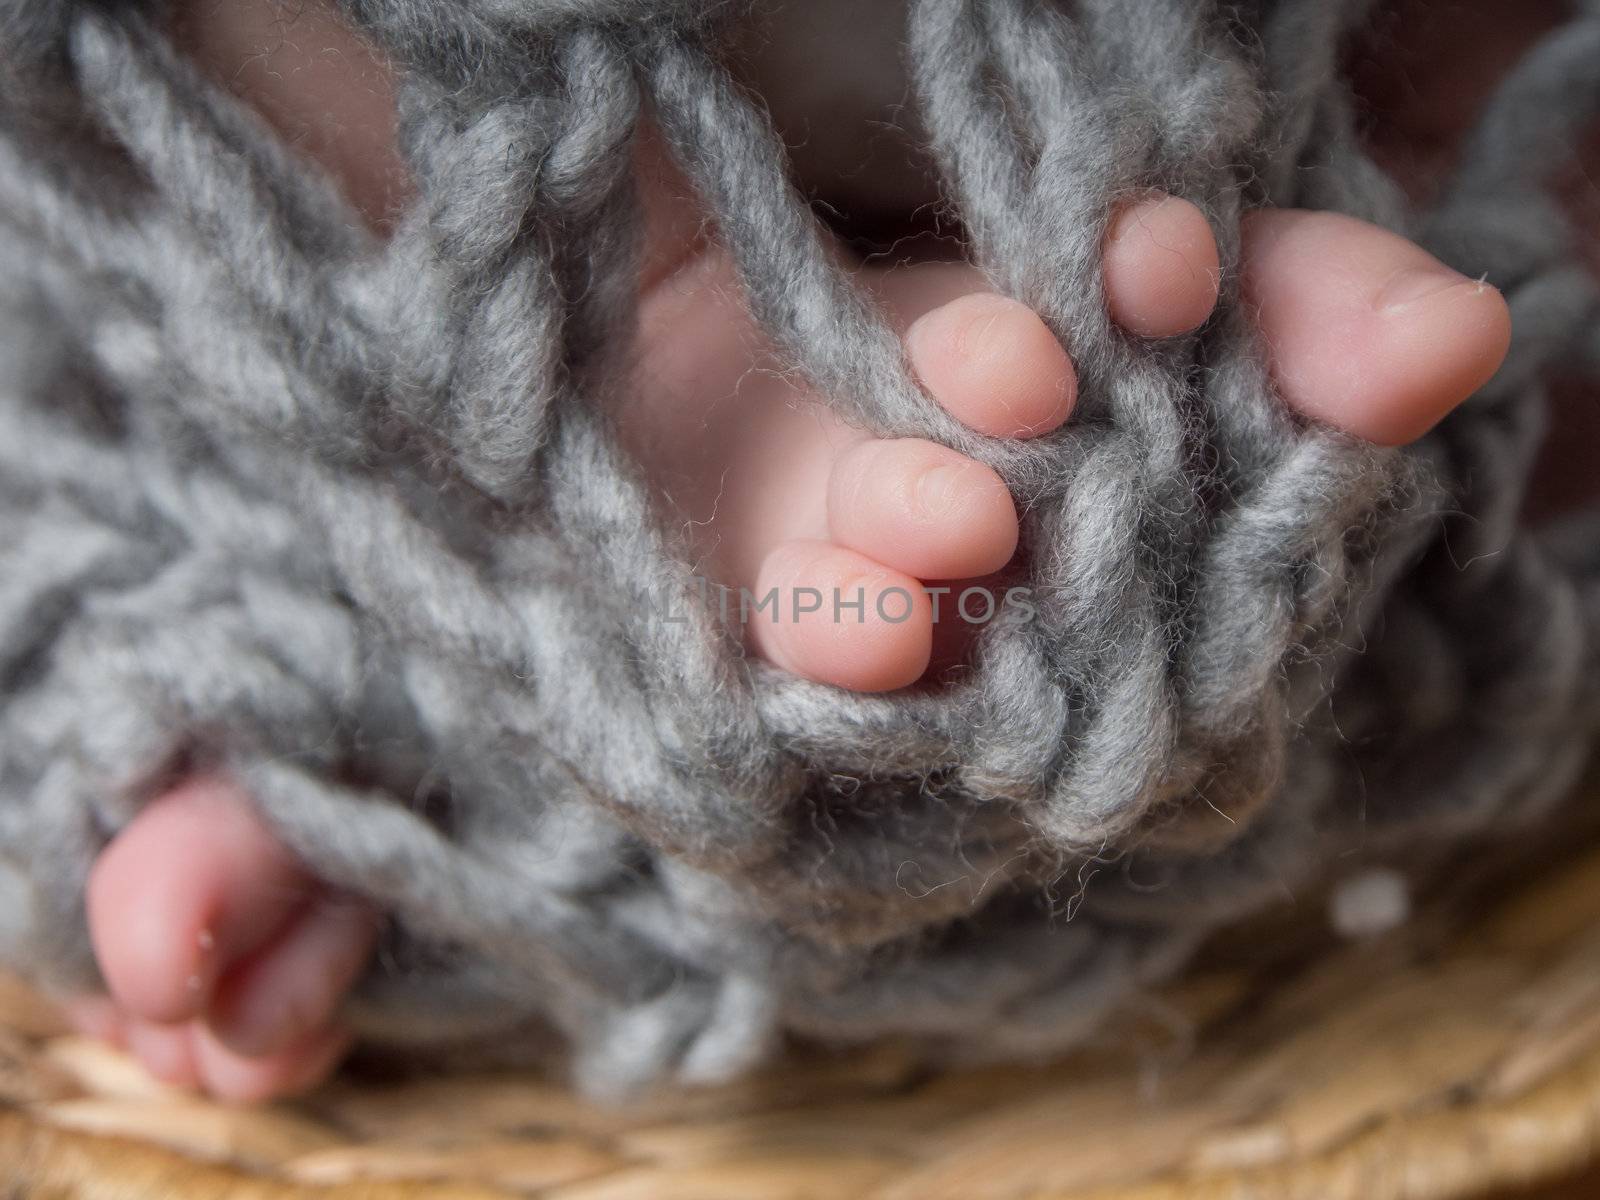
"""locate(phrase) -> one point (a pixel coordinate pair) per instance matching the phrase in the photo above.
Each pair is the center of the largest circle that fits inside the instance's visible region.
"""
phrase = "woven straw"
(1455, 1056)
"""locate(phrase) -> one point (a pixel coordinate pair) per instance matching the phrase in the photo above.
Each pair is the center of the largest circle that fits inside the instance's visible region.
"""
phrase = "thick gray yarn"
(349, 522)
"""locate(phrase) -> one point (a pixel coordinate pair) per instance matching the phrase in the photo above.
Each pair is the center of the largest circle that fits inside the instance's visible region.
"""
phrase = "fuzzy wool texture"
(348, 521)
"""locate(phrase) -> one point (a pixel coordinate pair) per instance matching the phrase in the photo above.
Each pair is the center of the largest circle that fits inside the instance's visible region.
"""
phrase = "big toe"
(194, 884)
(291, 988)
(243, 1079)
(1367, 331)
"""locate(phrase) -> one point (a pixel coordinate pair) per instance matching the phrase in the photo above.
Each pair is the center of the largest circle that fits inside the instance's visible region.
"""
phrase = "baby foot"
(839, 546)
(225, 961)
(840, 530)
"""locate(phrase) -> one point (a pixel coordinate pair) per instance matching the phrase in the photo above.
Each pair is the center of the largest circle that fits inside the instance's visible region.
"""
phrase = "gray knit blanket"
(348, 520)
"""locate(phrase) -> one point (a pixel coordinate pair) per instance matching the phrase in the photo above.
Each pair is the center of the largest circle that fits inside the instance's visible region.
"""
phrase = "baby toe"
(192, 884)
(1161, 267)
(835, 616)
(237, 1079)
(921, 508)
(292, 986)
(1367, 331)
(993, 365)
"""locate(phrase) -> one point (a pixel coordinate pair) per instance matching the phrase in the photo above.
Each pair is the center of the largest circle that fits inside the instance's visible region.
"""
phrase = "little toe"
(835, 616)
(1161, 267)
(993, 365)
(192, 884)
(237, 1079)
(292, 986)
(1367, 331)
(921, 508)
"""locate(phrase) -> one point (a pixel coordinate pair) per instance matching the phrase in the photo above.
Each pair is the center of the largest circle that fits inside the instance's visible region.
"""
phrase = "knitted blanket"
(350, 522)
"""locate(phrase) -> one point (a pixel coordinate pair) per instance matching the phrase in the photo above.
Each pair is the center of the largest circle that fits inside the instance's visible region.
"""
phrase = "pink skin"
(1387, 335)
(225, 961)
(1161, 267)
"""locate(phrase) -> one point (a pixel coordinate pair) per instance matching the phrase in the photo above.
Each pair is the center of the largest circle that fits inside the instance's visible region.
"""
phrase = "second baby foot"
(224, 959)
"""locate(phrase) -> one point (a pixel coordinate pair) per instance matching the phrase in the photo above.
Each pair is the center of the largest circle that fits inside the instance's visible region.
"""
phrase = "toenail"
(1409, 285)
(1135, 217)
(962, 326)
(1171, 224)
(979, 319)
(938, 489)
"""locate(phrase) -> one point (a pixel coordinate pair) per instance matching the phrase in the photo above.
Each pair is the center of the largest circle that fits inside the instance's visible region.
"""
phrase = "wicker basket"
(1458, 1055)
